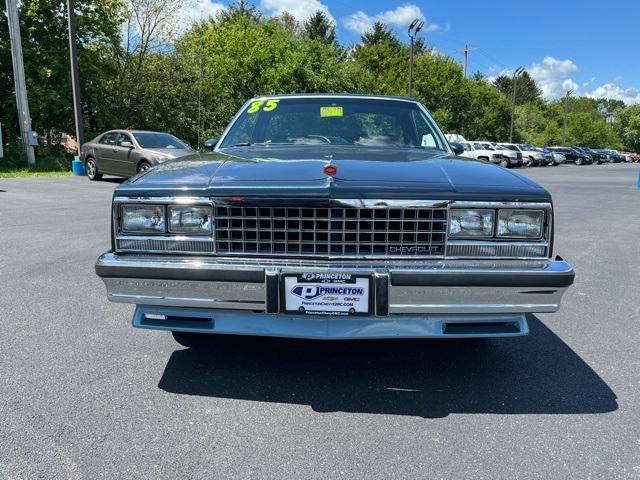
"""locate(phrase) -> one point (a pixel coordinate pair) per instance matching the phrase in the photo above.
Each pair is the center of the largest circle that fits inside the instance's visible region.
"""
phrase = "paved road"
(83, 395)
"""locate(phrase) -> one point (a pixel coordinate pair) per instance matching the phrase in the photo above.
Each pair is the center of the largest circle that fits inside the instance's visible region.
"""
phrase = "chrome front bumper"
(401, 288)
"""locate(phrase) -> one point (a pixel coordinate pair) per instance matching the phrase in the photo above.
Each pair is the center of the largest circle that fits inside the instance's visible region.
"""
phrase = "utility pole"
(201, 28)
(413, 30)
(466, 52)
(566, 114)
(518, 71)
(28, 138)
(75, 85)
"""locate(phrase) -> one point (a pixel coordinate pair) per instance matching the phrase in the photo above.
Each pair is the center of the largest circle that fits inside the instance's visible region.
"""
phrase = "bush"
(48, 159)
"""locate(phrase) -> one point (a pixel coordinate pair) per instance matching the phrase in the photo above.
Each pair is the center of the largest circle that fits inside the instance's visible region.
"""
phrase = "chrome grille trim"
(331, 232)
(496, 250)
(453, 249)
(169, 245)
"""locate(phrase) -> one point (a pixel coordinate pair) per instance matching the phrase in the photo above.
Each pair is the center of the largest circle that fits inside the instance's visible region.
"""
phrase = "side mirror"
(210, 144)
(126, 144)
(457, 148)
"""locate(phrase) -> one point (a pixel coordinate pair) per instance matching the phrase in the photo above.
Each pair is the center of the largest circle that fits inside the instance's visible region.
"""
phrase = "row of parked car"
(523, 154)
(127, 152)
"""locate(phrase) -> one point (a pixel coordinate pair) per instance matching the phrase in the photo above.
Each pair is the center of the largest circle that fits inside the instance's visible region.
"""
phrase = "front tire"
(504, 163)
(91, 168)
(579, 161)
(144, 165)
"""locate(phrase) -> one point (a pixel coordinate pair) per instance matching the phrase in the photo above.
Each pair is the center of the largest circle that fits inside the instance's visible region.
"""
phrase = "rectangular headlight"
(194, 220)
(520, 223)
(142, 219)
(471, 223)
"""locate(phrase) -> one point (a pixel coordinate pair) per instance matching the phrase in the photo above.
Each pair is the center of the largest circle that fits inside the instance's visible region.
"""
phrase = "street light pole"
(20, 84)
(518, 71)
(413, 30)
(410, 88)
(77, 166)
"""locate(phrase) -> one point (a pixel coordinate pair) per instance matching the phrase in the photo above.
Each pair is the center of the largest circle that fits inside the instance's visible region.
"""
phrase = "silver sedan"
(126, 152)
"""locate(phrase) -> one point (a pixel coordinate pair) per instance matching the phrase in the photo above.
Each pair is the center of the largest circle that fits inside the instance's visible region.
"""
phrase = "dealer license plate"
(327, 293)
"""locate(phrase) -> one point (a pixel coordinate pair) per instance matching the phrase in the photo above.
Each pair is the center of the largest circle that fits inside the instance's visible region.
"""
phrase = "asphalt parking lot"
(84, 395)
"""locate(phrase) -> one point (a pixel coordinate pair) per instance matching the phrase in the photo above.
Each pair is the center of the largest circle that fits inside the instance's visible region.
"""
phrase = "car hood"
(170, 152)
(361, 173)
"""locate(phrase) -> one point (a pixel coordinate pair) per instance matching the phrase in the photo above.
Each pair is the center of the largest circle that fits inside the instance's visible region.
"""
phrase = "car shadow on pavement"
(113, 179)
(535, 374)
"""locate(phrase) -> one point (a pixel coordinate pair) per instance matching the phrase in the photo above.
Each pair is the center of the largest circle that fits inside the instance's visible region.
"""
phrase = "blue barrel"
(77, 167)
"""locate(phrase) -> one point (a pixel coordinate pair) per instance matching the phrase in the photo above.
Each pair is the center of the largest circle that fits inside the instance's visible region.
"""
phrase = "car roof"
(133, 131)
(337, 95)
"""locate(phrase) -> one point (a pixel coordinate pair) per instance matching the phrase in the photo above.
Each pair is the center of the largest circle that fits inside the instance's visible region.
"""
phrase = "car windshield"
(344, 121)
(487, 146)
(526, 146)
(158, 140)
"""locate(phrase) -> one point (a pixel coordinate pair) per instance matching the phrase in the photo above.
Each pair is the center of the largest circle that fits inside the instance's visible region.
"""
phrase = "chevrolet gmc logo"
(416, 249)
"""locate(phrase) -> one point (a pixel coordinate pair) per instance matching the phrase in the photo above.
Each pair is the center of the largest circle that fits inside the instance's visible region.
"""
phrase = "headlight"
(471, 223)
(195, 220)
(143, 219)
(520, 223)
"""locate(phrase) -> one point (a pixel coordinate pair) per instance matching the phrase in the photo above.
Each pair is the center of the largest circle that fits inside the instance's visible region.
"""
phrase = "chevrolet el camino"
(333, 217)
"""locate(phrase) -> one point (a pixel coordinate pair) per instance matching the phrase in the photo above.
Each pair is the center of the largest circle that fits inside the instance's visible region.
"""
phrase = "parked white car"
(515, 157)
(558, 158)
(485, 151)
(530, 155)
(454, 137)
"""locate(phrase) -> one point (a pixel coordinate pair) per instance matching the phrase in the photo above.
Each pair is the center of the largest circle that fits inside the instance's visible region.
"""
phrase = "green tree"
(46, 59)
(627, 126)
(488, 113)
(531, 121)
(527, 89)
(383, 61)
(245, 56)
(290, 24)
(320, 27)
(379, 34)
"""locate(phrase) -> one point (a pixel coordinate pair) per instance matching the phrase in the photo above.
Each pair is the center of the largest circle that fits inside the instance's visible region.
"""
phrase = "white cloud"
(301, 9)
(554, 76)
(359, 22)
(569, 84)
(401, 16)
(209, 8)
(616, 92)
(195, 10)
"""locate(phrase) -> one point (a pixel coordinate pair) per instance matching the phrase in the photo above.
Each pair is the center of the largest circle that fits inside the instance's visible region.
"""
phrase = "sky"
(589, 46)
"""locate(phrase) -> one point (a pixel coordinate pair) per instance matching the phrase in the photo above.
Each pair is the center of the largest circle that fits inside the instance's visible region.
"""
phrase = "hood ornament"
(330, 169)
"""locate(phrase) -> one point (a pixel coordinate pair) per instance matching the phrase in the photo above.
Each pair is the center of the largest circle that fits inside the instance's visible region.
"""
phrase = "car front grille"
(330, 232)
(519, 156)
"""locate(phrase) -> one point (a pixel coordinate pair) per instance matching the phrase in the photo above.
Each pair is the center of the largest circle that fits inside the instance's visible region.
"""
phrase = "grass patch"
(26, 173)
